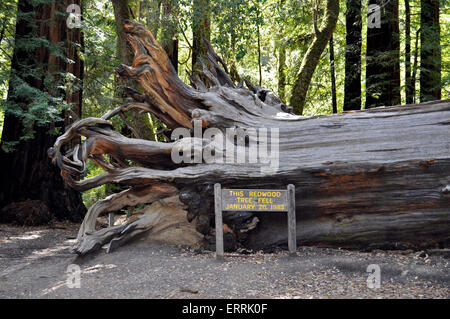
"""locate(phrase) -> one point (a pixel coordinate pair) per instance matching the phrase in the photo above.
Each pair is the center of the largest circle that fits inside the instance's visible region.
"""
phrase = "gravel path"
(34, 261)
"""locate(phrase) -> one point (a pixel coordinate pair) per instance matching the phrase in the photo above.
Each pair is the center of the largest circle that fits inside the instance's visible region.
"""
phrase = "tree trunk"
(149, 13)
(26, 173)
(367, 178)
(282, 72)
(333, 78)
(430, 51)
(201, 26)
(258, 38)
(408, 78)
(414, 74)
(281, 47)
(169, 25)
(353, 25)
(312, 56)
(383, 56)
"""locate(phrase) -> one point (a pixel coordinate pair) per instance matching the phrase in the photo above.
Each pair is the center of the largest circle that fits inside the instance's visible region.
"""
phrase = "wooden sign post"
(255, 200)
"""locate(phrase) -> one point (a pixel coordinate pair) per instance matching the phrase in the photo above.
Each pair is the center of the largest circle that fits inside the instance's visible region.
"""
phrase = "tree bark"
(150, 13)
(333, 78)
(383, 57)
(169, 25)
(367, 178)
(430, 51)
(201, 30)
(408, 75)
(312, 56)
(26, 173)
(415, 67)
(353, 26)
(282, 72)
(281, 57)
(258, 37)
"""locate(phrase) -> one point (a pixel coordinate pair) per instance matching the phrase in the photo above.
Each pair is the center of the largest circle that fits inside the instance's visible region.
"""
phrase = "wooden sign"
(255, 200)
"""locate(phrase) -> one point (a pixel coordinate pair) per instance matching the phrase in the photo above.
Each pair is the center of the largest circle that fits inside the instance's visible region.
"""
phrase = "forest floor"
(34, 263)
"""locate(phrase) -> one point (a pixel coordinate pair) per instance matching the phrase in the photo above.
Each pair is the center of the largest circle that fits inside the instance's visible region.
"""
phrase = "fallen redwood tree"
(370, 178)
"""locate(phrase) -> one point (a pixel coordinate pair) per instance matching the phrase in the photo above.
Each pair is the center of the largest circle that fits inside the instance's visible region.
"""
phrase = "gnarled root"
(89, 239)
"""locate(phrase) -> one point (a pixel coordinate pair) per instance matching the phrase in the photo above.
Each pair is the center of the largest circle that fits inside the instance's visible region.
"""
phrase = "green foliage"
(28, 91)
(235, 25)
(100, 58)
(445, 47)
(93, 195)
(7, 32)
(2, 116)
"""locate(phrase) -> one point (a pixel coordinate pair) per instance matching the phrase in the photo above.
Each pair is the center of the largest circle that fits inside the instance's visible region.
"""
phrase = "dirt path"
(34, 261)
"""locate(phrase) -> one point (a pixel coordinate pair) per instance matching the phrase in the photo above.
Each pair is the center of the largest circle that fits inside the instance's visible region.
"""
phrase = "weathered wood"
(292, 222)
(111, 219)
(218, 221)
(89, 239)
(372, 177)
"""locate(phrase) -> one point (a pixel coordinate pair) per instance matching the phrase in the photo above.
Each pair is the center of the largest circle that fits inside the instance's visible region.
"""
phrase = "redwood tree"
(408, 72)
(282, 72)
(201, 29)
(169, 26)
(383, 56)
(44, 49)
(150, 14)
(353, 26)
(430, 51)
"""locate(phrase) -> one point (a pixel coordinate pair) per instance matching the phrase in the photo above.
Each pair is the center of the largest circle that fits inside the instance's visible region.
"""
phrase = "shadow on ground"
(34, 264)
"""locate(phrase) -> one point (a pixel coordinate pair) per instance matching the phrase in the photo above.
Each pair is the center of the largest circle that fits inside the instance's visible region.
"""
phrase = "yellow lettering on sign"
(236, 193)
(244, 199)
(264, 194)
(240, 206)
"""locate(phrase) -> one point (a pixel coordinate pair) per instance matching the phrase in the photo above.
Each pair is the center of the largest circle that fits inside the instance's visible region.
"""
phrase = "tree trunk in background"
(430, 52)
(282, 72)
(383, 56)
(408, 79)
(201, 29)
(142, 124)
(258, 37)
(26, 173)
(169, 27)
(233, 30)
(281, 47)
(414, 72)
(149, 13)
(122, 13)
(333, 77)
(312, 56)
(353, 25)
